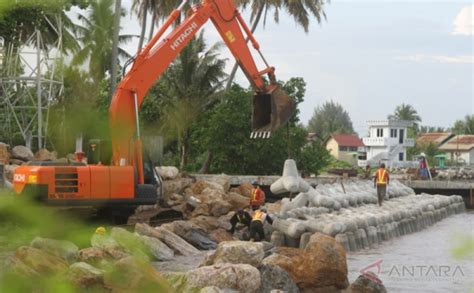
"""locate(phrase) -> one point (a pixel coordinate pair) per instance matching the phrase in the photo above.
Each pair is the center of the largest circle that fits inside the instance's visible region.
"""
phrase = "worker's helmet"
(382, 165)
(100, 230)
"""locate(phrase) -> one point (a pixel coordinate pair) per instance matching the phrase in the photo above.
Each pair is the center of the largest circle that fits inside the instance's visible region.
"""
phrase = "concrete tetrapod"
(290, 180)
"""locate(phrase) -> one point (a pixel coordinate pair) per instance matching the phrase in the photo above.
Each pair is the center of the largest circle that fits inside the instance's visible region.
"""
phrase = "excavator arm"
(271, 106)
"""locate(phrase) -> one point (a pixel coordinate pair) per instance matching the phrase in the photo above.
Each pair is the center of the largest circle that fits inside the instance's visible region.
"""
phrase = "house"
(387, 142)
(437, 138)
(460, 148)
(344, 147)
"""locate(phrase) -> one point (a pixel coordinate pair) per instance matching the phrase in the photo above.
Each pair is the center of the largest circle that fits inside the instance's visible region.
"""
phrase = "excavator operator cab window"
(99, 150)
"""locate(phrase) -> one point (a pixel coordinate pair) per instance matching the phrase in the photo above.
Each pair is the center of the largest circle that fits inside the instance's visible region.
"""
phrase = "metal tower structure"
(31, 81)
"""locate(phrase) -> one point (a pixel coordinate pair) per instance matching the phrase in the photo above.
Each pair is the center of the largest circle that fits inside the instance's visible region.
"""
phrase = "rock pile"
(11, 158)
(353, 217)
(463, 173)
(122, 260)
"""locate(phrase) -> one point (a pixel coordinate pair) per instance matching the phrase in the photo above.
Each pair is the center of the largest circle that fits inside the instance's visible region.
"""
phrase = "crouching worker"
(256, 226)
(240, 217)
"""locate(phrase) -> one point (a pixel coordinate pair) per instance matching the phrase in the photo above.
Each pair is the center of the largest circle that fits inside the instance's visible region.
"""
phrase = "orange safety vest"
(381, 176)
(258, 197)
(259, 216)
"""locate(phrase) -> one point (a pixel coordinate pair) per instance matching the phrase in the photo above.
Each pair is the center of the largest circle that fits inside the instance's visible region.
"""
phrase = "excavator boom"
(271, 106)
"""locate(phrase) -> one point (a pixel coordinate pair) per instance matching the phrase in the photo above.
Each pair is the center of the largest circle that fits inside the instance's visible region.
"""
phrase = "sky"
(371, 56)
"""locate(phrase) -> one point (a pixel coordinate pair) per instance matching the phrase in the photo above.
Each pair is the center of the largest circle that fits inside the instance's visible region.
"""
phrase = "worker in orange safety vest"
(257, 198)
(381, 180)
(259, 217)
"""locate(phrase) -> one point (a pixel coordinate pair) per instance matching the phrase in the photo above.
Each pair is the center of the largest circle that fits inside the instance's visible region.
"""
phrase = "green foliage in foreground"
(22, 220)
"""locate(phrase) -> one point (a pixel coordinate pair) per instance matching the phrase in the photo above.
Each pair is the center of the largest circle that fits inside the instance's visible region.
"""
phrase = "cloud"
(423, 58)
(464, 22)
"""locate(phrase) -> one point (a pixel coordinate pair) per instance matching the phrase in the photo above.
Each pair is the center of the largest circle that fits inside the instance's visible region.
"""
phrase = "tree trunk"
(184, 151)
(142, 34)
(236, 65)
(152, 26)
(207, 164)
(113, 69)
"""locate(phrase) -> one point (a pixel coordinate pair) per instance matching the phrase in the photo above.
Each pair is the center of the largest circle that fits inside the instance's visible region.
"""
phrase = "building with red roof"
(344, 147)
(436, 138)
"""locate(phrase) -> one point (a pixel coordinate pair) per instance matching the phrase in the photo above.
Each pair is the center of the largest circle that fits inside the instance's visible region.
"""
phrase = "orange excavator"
(128, 181)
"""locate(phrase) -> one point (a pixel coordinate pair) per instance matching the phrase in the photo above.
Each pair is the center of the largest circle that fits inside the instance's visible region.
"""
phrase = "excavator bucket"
(270, 111)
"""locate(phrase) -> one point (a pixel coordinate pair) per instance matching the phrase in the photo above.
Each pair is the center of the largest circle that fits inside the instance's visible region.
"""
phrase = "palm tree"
(406, 112)
(159, 9)
(465, 126)
(95, 36)
(113, 70)
(301, 11)
(189, 84)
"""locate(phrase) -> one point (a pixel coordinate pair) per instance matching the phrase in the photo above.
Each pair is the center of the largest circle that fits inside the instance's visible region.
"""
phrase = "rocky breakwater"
(350, 213)
(240, 266)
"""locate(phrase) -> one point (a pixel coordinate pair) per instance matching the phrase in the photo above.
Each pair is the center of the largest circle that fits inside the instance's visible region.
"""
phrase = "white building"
(387, 142)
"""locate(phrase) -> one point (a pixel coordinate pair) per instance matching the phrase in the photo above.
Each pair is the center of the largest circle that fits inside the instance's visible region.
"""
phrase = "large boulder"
(62, 248)
(330, 265)
(236, 252)
(4, 153)
(221, 235)
(45, 155)
(174, 200)
(244, 189)
(22, 153)
(322, 264)
(192, 234)
(17, 267)
(98, 256)
(132, 275)
(157, 249)
(201, 185)
(37, 261)
(367, 283)
(276, 278)
(175, 186)
(237, 201)
(85, 276)
(104, 241)
(173, 241)
(167, 172)
(130, 242)
(92, 255)
(210, 201)
(239, 277)
(207, 223)
(223, 180)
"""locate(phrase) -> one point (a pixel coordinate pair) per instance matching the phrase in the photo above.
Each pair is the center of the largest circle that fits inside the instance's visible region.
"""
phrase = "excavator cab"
(270, 111)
